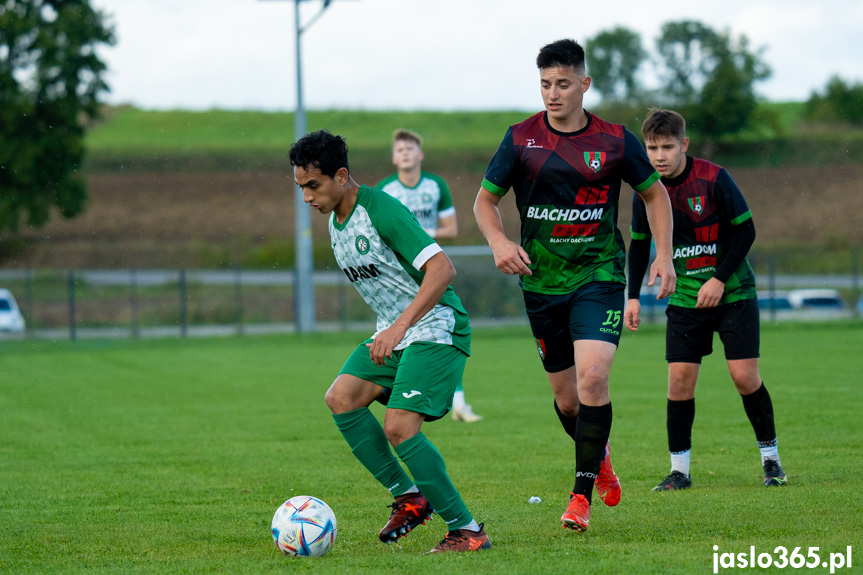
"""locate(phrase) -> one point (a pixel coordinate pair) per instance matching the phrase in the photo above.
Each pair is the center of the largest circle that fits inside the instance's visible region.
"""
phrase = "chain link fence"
(167, 303)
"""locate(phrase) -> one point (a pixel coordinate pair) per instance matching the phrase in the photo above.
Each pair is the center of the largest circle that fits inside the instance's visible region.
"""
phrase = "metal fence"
(168, 303)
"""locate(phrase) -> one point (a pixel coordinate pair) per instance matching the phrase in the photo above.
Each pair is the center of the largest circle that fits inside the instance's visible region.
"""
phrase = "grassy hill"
(214, 188)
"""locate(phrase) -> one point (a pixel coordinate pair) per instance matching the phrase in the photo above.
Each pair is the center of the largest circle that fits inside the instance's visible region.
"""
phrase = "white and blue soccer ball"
(304, 526)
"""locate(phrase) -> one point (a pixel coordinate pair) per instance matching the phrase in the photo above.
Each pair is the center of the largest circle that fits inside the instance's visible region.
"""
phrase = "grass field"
(171, 456)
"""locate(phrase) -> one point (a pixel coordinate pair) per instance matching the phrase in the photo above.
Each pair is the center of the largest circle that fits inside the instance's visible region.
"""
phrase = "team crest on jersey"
(540, 348)
(594, 160)
(696, 204)
(363, 244)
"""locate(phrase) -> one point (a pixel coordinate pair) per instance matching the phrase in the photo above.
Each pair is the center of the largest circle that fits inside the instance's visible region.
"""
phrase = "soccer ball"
(304, 526)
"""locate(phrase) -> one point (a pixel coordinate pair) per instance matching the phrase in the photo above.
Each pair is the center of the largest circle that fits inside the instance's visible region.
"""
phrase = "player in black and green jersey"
(713, 231)
(566, 167)
(418, 351)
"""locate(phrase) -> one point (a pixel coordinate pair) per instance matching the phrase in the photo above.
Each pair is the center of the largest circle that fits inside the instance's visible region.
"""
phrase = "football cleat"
(774, 475)
(607, 483)
(675, 482)
(465, 414)
(463, 540)
(577, 514)
(409, 511)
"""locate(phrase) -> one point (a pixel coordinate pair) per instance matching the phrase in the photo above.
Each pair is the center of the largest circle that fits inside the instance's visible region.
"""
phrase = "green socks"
(429, 472)
(368, 443)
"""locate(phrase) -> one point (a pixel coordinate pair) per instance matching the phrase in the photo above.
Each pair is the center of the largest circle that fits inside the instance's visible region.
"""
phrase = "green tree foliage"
(841, 102)
(709, 77)
(50, 81)
(615, 58)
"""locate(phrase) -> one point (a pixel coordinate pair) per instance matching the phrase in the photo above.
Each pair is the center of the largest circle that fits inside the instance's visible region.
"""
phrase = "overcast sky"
(433, 54)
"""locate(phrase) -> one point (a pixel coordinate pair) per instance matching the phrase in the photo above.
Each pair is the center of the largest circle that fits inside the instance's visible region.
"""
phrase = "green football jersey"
(380, 247)
(429, 200)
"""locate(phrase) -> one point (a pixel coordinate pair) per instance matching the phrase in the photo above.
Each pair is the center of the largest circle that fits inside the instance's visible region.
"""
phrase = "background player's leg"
(759, 410)
(680, 415)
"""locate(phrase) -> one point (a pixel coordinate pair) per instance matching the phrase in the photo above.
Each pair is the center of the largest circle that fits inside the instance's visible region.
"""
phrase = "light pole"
(304, 290)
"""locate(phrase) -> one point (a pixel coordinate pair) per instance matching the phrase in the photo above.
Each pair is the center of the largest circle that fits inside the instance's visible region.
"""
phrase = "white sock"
(458, 400)
(413, 489)
(771, 452)
(680, 462)
(472, 526)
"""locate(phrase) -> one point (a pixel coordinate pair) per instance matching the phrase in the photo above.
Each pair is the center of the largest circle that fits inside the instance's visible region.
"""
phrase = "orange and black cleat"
(409, 511)
(463, 540)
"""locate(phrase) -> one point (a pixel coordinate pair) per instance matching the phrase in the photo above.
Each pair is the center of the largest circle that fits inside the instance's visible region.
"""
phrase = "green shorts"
(422, 376)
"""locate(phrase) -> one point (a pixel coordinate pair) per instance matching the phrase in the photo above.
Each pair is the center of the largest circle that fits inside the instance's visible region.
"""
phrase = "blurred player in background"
(566, 166)
(418, 351)
(428, 197)
(713, 231)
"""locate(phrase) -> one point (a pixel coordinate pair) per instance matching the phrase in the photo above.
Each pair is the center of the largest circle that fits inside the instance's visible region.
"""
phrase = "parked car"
(11, 319)
(774, 301)
(818, 303)
(827, 299)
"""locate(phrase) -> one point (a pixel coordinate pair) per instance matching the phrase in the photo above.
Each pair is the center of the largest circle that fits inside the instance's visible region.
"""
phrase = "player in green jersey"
(713, 231)
(566, 167)
(428, 197)
(418, 350)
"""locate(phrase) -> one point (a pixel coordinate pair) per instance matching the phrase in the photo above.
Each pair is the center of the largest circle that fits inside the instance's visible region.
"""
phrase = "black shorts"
(689, 332)
(594, 311)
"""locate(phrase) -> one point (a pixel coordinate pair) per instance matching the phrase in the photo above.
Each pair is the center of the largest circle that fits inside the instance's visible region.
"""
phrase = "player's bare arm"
(509, 257)
(439, 272)
(661, 225)
(447, 228)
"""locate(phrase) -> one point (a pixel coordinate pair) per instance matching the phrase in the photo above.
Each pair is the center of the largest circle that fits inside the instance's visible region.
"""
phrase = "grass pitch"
(171, 456)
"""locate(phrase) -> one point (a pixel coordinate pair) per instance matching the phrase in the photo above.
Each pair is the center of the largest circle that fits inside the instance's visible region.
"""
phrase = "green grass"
(171, 456)
(128, 138)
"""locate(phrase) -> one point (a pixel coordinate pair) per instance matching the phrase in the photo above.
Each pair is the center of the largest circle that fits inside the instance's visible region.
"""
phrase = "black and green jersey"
(380, 247)
(567, 188)
(705, 204)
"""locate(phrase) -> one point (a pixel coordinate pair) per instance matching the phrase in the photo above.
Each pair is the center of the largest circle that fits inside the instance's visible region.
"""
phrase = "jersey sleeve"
(637, 170)
(445, 202)
(501, 170)
(402, 232)
(730, 199)
(640, 227)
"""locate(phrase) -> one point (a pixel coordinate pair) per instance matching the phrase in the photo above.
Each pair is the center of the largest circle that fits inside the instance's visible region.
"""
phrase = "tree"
(728, 98)
(615, 57)
(50, 81)
(841, 102)
(710, 76)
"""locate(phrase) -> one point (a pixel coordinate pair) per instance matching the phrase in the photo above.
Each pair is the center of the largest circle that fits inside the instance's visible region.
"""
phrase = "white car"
(819, 303)
(10, 316)
(827, 299)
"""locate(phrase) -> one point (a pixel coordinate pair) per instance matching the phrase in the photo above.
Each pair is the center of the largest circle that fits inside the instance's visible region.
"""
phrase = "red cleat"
(577, 514)
(409, 510)
(607, 484)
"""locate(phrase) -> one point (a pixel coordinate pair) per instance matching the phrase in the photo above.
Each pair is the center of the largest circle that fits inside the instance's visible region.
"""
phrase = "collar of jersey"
(341, 226)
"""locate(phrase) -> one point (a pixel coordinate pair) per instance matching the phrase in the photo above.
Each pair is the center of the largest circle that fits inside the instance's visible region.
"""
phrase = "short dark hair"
(563, 52)
(321, 150)
(663, 124)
